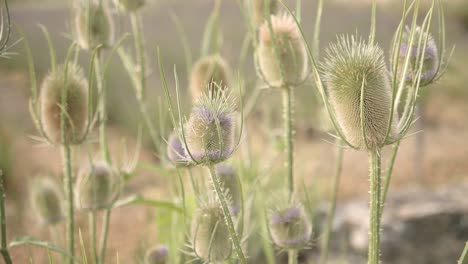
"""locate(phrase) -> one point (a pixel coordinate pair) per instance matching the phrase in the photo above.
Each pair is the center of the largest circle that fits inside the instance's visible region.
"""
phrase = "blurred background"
(435, 170)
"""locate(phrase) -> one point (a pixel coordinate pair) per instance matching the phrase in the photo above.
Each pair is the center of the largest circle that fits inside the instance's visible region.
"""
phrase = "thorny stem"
(4, 248)
(102, 108)
(227, 214)
(292, 256)
(288, 104)
(105, 232)
(331, 211)
(68, 187)
(375, 206)
(92, 226)
(388, 176)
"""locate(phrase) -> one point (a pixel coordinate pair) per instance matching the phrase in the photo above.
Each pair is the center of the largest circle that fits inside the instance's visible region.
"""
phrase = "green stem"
(464, 256)
(388, 176)
(92, 226)
(288, 102)
(292, 256)
(102, 108)
(4, 246)
(227, 214)
(331, 211)
(375, 206)
(68, 187)
(104, 233)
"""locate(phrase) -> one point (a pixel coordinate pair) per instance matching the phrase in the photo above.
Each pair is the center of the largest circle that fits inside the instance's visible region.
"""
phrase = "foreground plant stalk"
(92, 224)
(104, 234)
(288, 104)
(68, 188)
(292, 256)
(227, 215)
(375, 206)
(102, 107)
(4, 246)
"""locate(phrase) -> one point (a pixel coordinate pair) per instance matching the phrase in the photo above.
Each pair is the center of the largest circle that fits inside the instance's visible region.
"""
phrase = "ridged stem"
(227, 215)
(375, 206)
(102, 108)
(331, 210)
(68, 187)
(292, 256)
(92, 226)
(288, 106)
(4, 246)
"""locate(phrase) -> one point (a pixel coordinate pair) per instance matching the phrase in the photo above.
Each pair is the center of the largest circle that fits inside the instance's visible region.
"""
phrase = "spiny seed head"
(209, 74)
(289, 66)
(431, 56)
(290, 228)
(210, 235)
(97, 186)
(46, 200)
(93, 25)
(157, 255)
(351, 65)
(175, 150)
(210, 129)
(76, 109)
(230, 182)
(257, 8)
(129, 5)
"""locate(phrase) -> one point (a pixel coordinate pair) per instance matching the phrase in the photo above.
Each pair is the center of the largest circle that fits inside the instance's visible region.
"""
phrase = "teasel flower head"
(430, 65)
(129, 5)
(289, 225)
(210, 128)
(210, 240)
(230, 183)
(353, 67)
(76, 109)
(157, 255)
(209, 74)
(287, 64)
(98, 186)
(259, 8)
(94, 26)
(46, 200)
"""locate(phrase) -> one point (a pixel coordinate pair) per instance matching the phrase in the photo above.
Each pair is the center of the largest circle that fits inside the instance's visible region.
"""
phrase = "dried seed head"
(351, 65)
(210, 235)
(257, 8)
(175, 149)
(129, 5)
(97, 187)
(157, 255)
(209, 74)
(431, 56)
(210, 129)
(230, 182)
(76, 110)
(46, 200)
(290, 228)
(93, 25)
(289, 66)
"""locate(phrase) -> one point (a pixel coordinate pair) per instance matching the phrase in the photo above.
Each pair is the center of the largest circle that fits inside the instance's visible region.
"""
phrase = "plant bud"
(352, 65)
(93, 25)
(210, 235)
(210, 129)
(209, 74)
(76, 110)
(157, 255)
(97, 187)
(46, 200)
(230, 182)
(289, 226)
(175, 149)
(431, 57)
(129, 5)
(289, 65)
(257, 8)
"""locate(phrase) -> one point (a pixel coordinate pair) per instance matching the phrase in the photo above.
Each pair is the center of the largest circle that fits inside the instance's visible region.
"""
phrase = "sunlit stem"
(464, 256)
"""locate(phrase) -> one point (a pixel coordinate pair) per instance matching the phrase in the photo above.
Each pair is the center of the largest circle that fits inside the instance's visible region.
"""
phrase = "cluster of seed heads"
(209, 75)
(94, 26)
(46, 200)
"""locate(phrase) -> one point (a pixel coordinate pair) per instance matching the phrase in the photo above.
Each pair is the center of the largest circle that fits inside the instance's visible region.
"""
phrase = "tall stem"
(388, 176)
(375, 206)
(331, 211)
(104, 233)
(4, 246)
(68, 187)
(288, 104)
(102, 107)
(292, 256)
(227, 214)
(92, 226)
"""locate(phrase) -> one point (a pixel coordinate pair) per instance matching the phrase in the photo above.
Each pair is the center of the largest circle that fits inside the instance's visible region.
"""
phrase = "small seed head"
(76, 110)
(46, 200)
(129, 5)
(289, 66)
(351, 65)
(93, 25)
(157, 255)
(257, 7)
(209, 74)
(230, 182)
(97, 187)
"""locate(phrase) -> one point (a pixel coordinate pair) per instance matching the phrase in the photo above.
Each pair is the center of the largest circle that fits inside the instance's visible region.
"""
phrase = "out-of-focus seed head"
(210, 129)
(289, 66)
(157, 255)
(290, 227)
(98, 187)
(129, 5)
(76, 110)
(351, 65)
(209, 74)
(209, 233)
(230, 182)
(46, 200)
(257, 9)
(93, 25)
(431, 56)
(175, 150)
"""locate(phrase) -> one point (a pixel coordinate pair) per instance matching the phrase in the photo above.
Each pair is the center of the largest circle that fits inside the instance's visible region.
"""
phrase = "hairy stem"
(92, 227)
(4, 246)
(104, 234)
(292, 256)
(227, 214)
(68, 187)
(375, 207)
(288, 104)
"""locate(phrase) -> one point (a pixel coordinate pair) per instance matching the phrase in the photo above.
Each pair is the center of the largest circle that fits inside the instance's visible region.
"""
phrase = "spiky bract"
(129, 5)
(157, 255)
(93, 25)
(209, 74)
(231, 184)
(259, 8)
(46, 200)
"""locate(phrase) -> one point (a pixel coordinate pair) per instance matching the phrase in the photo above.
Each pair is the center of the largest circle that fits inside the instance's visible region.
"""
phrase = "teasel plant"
(361, 98)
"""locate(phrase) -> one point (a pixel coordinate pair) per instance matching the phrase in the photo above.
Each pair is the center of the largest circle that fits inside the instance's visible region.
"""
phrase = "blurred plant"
(210, 72)
(157, 255)
(46, 200)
